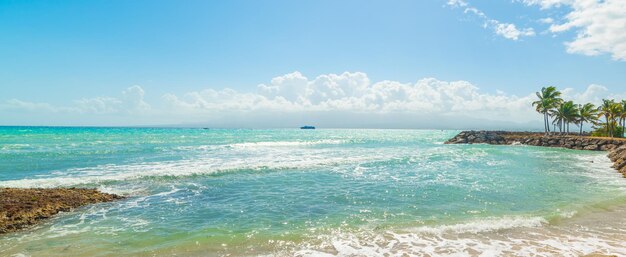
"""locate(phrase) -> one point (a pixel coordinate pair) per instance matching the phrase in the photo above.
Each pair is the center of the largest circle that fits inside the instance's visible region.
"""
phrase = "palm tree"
(564, 114)
(559, 117)
(616, 114)
(623, 117)
(548, 99)
(572, 114)
(587, 113)
(606, 110)
(620, 115)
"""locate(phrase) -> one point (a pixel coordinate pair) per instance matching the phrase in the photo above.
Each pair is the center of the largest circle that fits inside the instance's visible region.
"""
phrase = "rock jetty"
(615, 146)
(23, 207)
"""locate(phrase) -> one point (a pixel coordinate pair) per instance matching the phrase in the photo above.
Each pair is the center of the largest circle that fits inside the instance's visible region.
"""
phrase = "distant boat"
(307, 127)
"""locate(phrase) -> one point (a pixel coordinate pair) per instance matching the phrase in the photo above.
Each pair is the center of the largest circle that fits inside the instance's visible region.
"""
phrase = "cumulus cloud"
(131, 101)
(349, 99)
(354, 92)
(593, 94)
(510, 31)
(352, 98)
(97, 105)
(600, 26)
(504, 29)
(16, 104)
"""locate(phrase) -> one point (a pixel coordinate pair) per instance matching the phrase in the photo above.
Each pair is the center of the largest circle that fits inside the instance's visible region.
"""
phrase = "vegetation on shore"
(608, 119)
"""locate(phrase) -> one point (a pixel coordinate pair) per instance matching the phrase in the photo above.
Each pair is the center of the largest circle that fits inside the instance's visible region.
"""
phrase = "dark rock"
(20, 208)
(591, 147)
(616, 147)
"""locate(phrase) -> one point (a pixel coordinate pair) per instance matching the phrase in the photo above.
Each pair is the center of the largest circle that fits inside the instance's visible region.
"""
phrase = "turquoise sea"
(324, 192)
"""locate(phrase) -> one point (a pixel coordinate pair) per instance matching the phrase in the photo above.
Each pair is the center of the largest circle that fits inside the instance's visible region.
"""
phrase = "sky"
(271, 64)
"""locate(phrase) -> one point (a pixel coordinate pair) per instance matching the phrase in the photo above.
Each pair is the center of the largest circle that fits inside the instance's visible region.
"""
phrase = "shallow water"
(196, 192)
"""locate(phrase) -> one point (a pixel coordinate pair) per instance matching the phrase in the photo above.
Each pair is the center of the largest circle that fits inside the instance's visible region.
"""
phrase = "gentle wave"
(289, 143)
(108, 173)
(509, 236)
(483, 225)
(596, 167)
(262, 145)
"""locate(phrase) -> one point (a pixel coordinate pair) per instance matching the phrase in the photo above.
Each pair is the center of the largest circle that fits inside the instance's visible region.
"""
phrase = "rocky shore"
(615, 146)
(20, 208)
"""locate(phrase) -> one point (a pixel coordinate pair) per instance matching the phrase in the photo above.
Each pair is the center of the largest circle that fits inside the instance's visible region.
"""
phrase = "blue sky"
(61, 57)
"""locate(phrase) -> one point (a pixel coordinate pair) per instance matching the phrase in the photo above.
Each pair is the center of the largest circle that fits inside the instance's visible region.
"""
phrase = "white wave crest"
(204, 166)
(288, 143)
(508, 236)
(484, 225)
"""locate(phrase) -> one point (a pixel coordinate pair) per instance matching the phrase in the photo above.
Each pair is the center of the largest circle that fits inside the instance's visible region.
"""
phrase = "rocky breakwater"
(23, 207)
(615, 146)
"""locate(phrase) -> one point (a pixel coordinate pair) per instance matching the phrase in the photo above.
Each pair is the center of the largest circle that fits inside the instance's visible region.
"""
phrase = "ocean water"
(324, 192)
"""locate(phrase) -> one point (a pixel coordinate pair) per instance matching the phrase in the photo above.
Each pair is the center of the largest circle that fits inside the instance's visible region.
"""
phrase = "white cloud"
(98, 105)
(509, 31)
(600, 26)
(131, 101)
(545, 4)
(15, 104)
(504, 29)
(547, 20)
(353, 92)
(346, 99)
(593, 94)
(457, 3)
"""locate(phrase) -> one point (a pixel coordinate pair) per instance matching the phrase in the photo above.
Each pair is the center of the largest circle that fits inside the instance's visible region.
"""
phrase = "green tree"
(587, 113)
(607, 110)
(616, 113)
(559, 118)
(622, 117)
(549, 98)
(564, 114)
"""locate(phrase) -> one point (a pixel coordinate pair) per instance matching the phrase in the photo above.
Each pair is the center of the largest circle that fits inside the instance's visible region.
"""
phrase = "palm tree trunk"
(622, 124)
(545, 123)
(581, 128)
(611, 126)
(622, 121)
(608, 126)
(547, 120)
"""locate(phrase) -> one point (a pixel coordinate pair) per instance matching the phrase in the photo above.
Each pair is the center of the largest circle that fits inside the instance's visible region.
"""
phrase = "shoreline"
(616, 147)
(21, 208)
